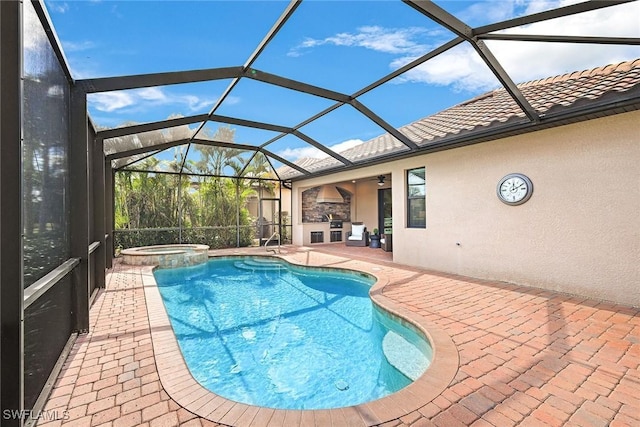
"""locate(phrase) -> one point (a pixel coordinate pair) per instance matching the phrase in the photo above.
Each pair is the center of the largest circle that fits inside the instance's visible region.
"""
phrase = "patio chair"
(358, 236)
(386, 242)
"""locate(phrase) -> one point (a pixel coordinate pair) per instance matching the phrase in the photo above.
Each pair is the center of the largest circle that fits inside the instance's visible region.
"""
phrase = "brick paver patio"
(527, 356)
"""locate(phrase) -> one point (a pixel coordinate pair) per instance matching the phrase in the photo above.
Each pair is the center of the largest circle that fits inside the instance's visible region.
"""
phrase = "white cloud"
(536, 6)
(196, 103)
(380, 39)
(59, 7)
(143, 99)
(482, 12)
(110, 101)
(232, 100)
(294, 154)
(152, 94)
(463, 69)
(314, 153)
(70, 46)
(345, 145)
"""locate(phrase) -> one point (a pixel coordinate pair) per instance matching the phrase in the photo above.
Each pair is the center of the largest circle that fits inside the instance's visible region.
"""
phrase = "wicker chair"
(358, 236)
(386, 242)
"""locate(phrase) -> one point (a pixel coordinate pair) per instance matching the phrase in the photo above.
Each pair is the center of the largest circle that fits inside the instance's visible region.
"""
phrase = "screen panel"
(47, 327)
(45, 178)
(344, 46)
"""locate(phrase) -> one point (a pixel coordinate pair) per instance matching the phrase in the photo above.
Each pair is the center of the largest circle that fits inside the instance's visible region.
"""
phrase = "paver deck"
(526, 356)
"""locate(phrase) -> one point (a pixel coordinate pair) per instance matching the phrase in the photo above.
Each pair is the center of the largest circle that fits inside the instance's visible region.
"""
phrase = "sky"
(339, 45)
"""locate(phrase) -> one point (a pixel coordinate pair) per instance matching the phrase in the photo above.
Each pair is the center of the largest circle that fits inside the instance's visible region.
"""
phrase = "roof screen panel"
(479, 13)
(342, 129)
(571, 58)
(159, 36)
(561, 57)
(214, 160)
(613, 21)
(285, 173)
(259, 166)
(168, 161)
(344, 46)
(147, 139)
(125, 161)
(267, 103)
(216, 131)
(113, 109)
(340, 46)
(295, 150)
(566, 57)
(439, 83)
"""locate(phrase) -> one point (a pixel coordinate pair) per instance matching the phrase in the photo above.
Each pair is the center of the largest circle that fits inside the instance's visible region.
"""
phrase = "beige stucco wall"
(579, 233)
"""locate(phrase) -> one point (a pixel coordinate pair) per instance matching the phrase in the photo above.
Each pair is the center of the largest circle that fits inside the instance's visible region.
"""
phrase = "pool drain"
(341, 385)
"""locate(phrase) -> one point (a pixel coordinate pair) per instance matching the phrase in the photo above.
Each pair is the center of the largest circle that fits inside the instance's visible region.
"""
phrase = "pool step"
(261, 264)
(404, 356)
(264, 260)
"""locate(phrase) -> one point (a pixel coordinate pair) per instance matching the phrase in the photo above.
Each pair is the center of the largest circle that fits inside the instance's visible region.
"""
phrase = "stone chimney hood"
(329, 194)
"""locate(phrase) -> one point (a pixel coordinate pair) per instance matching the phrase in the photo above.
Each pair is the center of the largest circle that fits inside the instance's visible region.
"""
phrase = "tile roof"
(549, 96)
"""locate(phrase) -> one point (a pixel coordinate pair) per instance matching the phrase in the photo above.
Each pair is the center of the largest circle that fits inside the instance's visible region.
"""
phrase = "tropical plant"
(202, 199)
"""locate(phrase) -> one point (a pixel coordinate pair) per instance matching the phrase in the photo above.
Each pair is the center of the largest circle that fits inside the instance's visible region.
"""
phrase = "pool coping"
(180, 385)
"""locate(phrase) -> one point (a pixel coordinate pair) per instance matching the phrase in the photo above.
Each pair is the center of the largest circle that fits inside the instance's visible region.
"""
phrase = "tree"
(207, 190)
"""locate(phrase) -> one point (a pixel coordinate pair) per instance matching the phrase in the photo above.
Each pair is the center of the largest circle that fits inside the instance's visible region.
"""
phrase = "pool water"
(264, 332)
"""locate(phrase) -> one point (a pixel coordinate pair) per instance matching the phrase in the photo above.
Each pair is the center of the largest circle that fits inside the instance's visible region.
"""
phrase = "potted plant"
(375, 239)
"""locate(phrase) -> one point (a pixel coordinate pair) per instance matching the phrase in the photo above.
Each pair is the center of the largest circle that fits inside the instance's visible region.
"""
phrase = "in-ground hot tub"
(167, 256)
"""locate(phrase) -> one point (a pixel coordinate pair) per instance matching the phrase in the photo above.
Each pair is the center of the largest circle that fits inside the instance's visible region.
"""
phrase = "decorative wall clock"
(514, 189)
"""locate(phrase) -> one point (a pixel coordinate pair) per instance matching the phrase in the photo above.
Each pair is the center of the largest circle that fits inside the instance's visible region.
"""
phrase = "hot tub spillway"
(260, 264)
(167, 256)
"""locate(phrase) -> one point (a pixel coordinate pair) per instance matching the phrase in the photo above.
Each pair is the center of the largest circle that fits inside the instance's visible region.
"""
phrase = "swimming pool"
(264, 332)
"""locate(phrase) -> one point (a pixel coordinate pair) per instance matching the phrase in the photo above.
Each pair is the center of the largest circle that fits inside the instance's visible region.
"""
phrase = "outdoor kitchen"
(326, 214)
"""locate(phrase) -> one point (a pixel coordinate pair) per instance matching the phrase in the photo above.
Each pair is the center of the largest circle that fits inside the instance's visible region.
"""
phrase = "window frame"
(411, 199)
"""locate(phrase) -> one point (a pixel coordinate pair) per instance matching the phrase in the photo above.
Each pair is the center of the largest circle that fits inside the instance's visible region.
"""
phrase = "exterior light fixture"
(380, 180)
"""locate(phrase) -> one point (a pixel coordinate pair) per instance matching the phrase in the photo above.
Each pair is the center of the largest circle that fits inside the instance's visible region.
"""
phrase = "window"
(416, 200)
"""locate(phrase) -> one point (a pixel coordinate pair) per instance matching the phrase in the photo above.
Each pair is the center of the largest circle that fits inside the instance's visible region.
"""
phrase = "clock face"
(514, 189)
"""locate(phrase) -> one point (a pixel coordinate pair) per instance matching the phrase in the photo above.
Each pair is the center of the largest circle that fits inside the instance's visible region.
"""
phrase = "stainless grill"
(336, 223)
